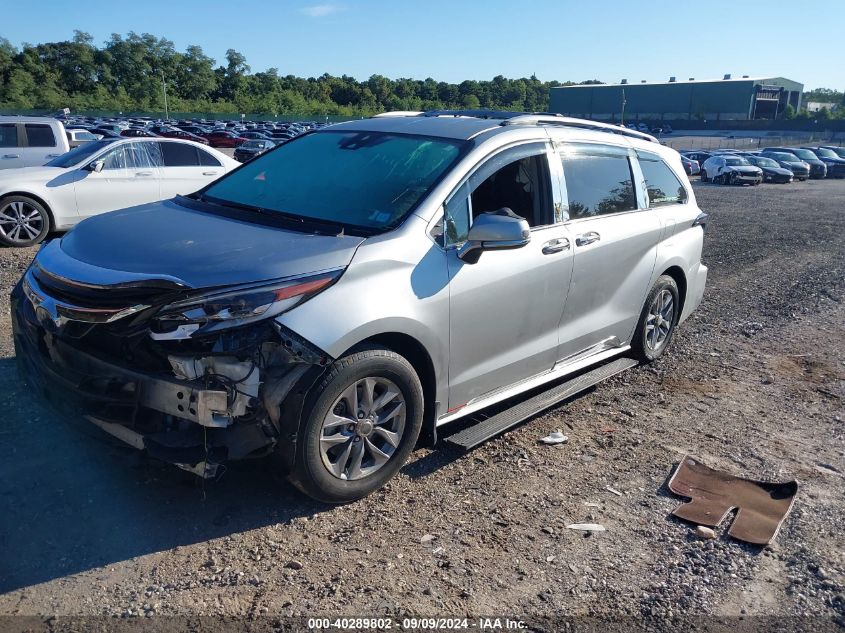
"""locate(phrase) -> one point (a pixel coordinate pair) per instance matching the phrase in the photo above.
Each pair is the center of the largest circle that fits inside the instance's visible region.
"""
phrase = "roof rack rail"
(557, 119)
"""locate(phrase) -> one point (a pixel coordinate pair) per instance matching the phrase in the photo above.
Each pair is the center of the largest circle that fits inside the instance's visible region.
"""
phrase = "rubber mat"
(762, 506)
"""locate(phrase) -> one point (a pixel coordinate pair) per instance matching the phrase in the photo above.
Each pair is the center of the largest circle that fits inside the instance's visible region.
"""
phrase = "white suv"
(30, 141)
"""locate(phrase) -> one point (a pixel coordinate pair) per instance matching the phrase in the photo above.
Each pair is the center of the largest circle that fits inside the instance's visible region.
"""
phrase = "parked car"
(252, 148)
(30, 141)
(76, 137)
(256, 135)
(700, 156)
(772, 171)
(726, 169)
(817, 168)
(223, 138)
(834, 163)
(798, 167)
(839, 151)
(336, 329)
(136, 132)
(100, 176)
(691, 167)
(182, 134)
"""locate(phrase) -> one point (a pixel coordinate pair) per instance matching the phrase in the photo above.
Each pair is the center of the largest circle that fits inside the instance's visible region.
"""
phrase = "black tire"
(641, 345)
(23, 221)
(310, 474)
(703, 176)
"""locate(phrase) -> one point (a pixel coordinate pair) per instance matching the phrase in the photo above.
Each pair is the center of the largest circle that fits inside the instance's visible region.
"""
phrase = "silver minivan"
(352, 292)
(30, 141)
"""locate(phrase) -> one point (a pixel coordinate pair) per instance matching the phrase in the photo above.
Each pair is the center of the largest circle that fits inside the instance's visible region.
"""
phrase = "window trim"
(440, 215)
(636, 175)
(18, 136)
(22, 127)
(660, 159)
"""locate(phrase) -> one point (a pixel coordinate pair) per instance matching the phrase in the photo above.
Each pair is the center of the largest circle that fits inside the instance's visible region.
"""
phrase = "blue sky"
(456, 40)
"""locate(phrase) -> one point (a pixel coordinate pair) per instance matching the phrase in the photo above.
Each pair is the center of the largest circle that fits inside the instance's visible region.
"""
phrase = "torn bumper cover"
(195, 404)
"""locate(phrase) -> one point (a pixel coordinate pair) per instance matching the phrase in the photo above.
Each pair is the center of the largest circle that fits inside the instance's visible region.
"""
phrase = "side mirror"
(494, 231)
(95, 166)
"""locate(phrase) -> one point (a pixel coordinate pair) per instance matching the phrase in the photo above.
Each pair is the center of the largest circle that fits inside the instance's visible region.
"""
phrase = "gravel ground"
(753, 385)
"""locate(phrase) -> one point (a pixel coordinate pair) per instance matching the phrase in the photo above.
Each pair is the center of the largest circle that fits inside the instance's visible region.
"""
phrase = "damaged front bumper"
(195, 404)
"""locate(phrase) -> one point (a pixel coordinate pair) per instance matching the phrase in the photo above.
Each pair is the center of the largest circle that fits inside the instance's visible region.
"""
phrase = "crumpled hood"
(168, 240)
(748, 170)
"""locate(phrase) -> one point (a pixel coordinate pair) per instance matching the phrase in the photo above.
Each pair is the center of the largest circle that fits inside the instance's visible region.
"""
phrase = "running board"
(482, 431)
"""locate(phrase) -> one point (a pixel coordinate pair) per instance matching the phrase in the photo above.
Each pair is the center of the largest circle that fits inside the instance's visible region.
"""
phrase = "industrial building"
(729, 99)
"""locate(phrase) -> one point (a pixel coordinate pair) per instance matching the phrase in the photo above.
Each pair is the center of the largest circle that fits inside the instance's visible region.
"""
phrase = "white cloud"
(320, 10)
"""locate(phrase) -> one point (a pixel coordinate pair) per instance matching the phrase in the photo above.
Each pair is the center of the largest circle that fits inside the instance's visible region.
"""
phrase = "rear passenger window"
(38, 135)
(140, 155)
(8, 135)
(598, 180)
(661, 183)
(179, 155)
(207, 160)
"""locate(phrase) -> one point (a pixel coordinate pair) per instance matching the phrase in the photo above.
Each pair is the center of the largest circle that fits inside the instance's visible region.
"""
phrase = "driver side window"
(517, 179)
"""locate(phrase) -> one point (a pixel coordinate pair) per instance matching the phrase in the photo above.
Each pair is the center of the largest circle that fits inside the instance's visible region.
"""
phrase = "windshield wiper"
(325, 227)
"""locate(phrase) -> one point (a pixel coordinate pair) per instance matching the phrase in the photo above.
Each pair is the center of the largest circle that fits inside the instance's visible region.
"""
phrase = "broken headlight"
(239, 305)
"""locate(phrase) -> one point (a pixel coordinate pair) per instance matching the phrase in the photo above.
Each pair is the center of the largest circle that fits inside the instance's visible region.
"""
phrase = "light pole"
(622, 118)
(164, 90)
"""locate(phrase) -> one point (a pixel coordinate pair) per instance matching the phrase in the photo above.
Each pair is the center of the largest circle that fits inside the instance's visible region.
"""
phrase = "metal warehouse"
(742, 98)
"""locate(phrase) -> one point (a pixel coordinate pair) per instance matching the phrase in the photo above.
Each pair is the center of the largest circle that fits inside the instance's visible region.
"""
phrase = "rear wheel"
(23, 221)
(658, 320)
(360, 424)
(703, 176)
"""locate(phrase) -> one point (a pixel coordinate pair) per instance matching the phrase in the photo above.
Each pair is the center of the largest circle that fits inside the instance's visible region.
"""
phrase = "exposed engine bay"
(195, 390)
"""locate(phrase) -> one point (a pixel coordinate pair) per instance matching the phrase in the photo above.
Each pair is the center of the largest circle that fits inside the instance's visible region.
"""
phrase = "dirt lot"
(754, 385)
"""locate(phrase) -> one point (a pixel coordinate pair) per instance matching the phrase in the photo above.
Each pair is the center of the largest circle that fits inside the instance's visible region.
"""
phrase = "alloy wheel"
(661, 318)
(20, 221)
(363, 428)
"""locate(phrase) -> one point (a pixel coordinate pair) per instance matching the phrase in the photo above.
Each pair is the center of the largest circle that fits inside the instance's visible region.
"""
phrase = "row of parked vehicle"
(53, 175)
(771, 164)
(229, 134)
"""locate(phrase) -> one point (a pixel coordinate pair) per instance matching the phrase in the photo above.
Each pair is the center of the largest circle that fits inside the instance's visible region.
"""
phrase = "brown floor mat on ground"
(762, 506)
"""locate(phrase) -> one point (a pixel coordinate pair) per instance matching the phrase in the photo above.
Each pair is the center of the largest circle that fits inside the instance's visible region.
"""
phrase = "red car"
(222, 138)
(174, 133)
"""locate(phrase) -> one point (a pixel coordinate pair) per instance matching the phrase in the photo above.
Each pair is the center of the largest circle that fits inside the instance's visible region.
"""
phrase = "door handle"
(53, 155)
(587, 238)
(555, 246)
(143, 174)
(11, 156)
(210, 173)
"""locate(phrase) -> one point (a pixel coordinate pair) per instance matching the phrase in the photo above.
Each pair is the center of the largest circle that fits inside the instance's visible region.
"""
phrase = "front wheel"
(658, 320)
(703, 176)
(360, 424)
(23, 221)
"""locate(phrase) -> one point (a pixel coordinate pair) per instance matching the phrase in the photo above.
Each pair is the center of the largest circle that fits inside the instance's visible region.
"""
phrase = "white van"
(30, 141)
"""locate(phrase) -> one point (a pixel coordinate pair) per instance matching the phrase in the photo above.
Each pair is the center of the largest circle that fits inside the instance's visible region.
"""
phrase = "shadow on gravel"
(72, 498)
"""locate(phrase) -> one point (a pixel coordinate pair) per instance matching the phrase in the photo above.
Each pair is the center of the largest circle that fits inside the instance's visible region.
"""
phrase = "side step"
(482, 431)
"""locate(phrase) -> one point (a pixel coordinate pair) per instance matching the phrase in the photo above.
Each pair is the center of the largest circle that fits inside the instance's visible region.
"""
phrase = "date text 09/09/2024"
(418, 624)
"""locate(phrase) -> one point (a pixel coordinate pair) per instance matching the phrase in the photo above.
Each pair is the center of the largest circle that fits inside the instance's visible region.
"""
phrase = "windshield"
(368, 180)
(826, 153)
(253, 145)
(79, 154)
(765, 162)
(805, 154)
(736, 161)
(787, 158)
